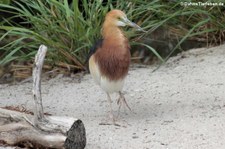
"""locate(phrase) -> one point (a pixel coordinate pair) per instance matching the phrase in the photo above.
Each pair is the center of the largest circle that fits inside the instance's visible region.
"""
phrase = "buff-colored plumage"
(110, 63)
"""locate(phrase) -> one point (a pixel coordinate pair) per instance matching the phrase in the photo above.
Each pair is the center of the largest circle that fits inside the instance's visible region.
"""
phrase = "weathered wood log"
(40, 129)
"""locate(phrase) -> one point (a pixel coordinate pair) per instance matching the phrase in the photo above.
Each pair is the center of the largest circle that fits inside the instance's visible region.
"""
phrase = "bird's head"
(119, 18)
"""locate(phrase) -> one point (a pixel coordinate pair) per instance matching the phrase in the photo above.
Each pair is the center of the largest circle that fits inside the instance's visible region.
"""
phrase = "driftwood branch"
(38, 63)
(40, 129)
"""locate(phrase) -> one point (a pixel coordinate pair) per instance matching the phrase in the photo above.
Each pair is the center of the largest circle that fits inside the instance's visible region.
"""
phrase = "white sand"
(181, 105)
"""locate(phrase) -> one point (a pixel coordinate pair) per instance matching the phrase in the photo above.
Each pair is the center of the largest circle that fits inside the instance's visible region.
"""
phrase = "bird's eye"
(119, 18)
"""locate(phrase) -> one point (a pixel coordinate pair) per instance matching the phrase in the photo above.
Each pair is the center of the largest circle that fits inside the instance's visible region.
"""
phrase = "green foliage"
(69, 30)
(4, 1)
(60, 26)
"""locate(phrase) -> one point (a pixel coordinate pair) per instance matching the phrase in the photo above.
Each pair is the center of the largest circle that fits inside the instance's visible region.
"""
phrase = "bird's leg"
(111, 111)
(122, 101)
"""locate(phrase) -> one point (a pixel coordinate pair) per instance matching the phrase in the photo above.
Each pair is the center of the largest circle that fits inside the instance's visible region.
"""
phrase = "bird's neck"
(112, 32)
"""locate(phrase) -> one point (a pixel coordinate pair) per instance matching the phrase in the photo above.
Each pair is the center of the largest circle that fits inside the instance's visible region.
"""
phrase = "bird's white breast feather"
(111, 86)
(107, 85)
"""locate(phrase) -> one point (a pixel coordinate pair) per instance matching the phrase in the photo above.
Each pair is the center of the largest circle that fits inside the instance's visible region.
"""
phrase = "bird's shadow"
(164, 111)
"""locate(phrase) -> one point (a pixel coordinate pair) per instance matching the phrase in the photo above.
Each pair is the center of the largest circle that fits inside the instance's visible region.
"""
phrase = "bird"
(109, 59)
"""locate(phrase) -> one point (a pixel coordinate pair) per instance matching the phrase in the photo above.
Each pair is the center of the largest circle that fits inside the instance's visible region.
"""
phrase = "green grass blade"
(151, 49)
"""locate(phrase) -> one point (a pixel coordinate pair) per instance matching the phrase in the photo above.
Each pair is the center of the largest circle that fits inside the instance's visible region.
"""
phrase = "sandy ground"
(181, 105)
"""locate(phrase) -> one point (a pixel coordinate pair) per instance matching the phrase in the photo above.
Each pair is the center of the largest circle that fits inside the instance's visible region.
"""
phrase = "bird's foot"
(111, 120)
(108, 123)
(122, 101)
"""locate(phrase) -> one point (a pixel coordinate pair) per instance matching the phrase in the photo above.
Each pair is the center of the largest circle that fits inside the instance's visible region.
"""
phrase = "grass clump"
(58, 25)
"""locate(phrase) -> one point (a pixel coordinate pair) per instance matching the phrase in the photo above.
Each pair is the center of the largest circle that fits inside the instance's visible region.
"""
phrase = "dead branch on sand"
(40, 129)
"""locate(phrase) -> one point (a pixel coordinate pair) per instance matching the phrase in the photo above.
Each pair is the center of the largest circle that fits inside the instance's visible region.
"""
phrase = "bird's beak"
(132, 24)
